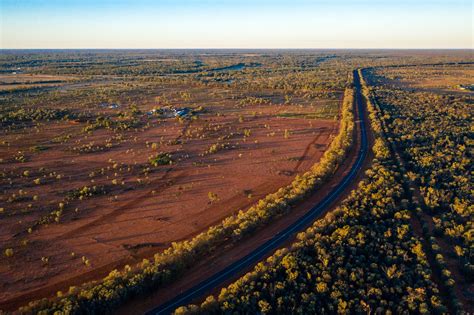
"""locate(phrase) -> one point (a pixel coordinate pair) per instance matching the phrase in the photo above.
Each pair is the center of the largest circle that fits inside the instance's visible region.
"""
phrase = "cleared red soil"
(135, 220)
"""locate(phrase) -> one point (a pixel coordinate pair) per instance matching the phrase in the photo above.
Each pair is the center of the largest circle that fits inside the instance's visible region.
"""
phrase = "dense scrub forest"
(435, 135)
(432, 131)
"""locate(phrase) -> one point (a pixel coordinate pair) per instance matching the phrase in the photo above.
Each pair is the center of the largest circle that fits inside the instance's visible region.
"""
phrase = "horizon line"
(259, 48)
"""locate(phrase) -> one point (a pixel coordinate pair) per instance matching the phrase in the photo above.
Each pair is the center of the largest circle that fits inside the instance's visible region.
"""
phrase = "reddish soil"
(135, 220)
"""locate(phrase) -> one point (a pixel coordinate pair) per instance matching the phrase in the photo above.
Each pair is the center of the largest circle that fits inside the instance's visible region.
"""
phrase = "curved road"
(281, 237)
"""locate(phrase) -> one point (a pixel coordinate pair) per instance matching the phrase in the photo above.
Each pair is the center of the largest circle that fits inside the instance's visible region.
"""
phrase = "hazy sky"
(236, 24)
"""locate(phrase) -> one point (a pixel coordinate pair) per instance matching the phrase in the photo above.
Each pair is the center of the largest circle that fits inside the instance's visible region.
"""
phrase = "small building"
(181, 112)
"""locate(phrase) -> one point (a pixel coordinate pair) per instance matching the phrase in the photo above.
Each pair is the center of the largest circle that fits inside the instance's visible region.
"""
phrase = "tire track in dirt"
(134, 202)
(258, 192)
(116, 212)
(308, 147)
(263, 189)
(305, 153)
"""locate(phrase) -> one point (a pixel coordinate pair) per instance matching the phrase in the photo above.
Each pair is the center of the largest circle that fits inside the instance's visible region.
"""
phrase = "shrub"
(162, 158)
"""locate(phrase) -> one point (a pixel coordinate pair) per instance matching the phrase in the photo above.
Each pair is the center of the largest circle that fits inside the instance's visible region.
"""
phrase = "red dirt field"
(135, 219)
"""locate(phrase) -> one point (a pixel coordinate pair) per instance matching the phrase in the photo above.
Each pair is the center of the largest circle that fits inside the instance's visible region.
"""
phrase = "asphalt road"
(272, 244)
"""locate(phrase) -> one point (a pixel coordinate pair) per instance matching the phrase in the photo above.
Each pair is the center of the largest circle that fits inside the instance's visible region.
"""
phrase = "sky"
(236, 24)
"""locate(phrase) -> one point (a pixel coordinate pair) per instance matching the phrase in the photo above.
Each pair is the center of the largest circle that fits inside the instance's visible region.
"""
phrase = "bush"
(162, 158)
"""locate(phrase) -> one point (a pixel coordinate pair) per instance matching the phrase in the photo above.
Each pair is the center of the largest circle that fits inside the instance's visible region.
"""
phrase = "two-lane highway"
(272, 244)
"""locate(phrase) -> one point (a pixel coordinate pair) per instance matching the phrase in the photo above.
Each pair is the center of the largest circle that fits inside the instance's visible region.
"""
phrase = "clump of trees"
(33, 114)
(87, 192)
(252, 100)
(216, 147)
